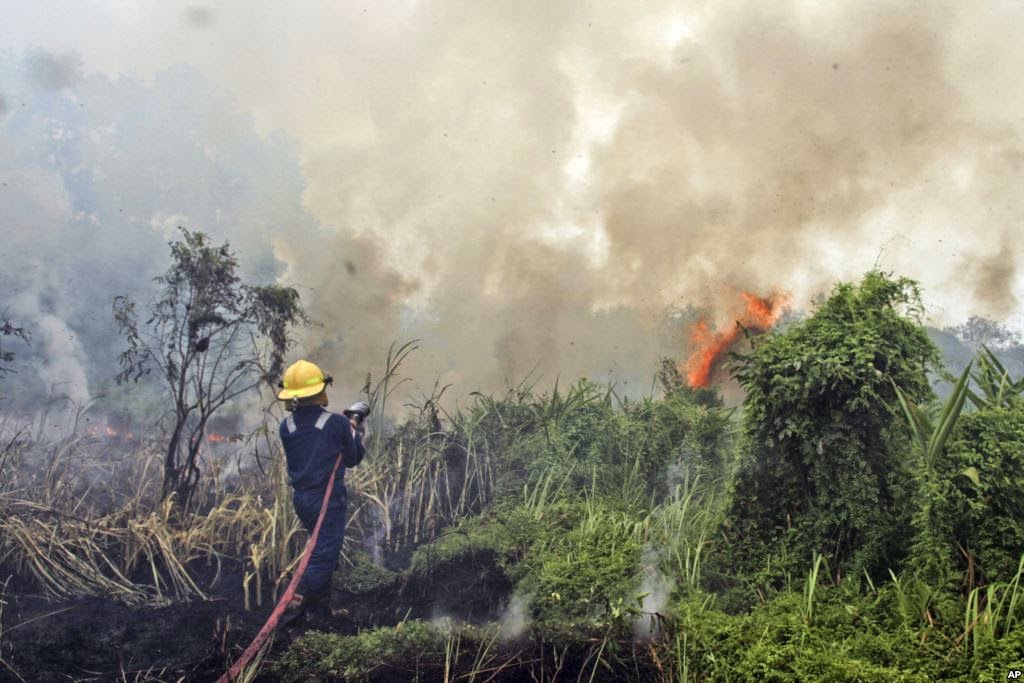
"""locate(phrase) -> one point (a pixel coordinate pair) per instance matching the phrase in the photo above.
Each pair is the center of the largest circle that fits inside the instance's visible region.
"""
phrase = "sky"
(556, 187)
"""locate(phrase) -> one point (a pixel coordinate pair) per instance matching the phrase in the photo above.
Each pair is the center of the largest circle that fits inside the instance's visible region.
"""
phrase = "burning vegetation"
(847, 516)
(569, 534)
(710, 348)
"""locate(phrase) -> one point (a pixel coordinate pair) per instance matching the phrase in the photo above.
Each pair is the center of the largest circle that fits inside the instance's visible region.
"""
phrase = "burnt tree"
(209, 338)
(9, 329)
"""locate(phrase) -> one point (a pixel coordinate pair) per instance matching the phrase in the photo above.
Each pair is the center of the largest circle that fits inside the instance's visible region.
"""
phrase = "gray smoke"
(994, 277)
(518, 184)
(95, 179)
(656, 589)
(516, 618)
(54, 71)
(197, 16)
(548, 193)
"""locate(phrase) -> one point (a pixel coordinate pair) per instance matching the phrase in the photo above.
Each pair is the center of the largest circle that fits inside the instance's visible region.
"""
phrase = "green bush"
(588, 572)
(396, 649)
(636, 454)
(985, 520)
(822, 458)
(852, 637)
(683, 435)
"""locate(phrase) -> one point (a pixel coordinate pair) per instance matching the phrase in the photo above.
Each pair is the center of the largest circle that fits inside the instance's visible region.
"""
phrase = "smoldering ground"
(523, 184)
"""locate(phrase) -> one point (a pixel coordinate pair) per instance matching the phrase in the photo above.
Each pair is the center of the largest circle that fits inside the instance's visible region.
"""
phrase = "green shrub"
(985, 520)
(587, 572)
(822, 458)
(853, 637)
(409, 647)
(683, 435)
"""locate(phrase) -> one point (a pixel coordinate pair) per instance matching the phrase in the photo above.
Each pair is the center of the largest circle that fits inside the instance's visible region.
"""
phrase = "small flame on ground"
(112, 433)
(760, 314)
(109, 432)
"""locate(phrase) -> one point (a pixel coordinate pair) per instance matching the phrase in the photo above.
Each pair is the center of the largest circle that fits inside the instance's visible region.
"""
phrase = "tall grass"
(990, 613)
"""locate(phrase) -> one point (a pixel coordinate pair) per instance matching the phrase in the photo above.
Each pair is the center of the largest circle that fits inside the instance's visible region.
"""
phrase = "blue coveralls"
(312, 439)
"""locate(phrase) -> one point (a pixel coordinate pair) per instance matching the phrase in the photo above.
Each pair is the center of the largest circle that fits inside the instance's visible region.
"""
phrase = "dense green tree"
(823, 460)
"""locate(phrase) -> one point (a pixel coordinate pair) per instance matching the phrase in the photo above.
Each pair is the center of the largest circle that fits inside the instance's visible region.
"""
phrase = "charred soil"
(102, 639)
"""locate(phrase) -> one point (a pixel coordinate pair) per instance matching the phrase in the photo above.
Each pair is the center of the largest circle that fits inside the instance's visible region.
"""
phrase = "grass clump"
(411, 649)
(586, 572)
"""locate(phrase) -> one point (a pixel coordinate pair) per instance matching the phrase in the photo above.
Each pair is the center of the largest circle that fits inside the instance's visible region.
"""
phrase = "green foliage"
(362, 578)
(587, 571)
(396, 649)
(822, 460)
(994, 382)
(682, 435)
(853, 637)
(982, 518)
(930, 555)
(635, 454)
(577, 561)
(507, 532)
(991, 613)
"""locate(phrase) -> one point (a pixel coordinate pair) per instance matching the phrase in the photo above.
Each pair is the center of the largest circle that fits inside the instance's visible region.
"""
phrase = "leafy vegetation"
(841, 524)
(821, 424)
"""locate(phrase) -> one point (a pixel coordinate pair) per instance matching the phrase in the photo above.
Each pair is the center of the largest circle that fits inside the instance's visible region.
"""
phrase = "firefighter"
(312, 438)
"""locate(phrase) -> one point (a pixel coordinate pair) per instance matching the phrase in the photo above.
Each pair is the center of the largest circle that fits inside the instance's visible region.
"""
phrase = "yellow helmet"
(302, 379)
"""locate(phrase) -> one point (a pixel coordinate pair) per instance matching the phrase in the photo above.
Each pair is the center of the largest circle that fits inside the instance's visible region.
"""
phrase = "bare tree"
(210, 338)
(9, 329)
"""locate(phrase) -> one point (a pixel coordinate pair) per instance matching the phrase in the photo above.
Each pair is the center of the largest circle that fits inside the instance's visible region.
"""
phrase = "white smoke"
(515, 619)
(96, 176)
(656, 589)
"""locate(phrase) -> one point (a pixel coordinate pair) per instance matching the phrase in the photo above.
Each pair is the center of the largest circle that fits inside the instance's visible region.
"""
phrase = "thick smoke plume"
(578, 179)
(524, 184)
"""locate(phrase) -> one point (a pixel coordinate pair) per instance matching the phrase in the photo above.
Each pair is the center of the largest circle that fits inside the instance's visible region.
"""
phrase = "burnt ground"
(100, 639)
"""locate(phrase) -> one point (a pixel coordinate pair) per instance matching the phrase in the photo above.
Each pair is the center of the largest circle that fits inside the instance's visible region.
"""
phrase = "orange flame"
(760, 314)
(214, 437)
(109, 432)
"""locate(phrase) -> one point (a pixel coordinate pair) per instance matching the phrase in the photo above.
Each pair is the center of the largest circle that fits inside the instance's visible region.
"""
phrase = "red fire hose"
(268, 628)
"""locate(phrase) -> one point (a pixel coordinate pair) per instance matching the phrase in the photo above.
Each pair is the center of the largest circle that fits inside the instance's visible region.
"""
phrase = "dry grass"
(81, 515)
(55, 531)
